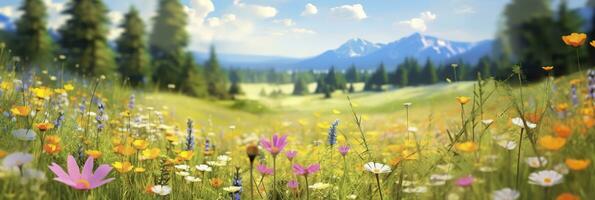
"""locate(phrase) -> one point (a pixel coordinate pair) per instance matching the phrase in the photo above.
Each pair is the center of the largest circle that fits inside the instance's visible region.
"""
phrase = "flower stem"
(274, 177)
(379, 188)
(251, 180)
(518, 160)
(307, 191)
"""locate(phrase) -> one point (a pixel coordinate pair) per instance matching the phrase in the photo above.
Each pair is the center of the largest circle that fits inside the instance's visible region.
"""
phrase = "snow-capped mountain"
(356, 48)
(365, 54)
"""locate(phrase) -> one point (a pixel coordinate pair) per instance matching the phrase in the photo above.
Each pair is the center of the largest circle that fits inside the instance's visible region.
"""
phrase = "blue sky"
(298, 28)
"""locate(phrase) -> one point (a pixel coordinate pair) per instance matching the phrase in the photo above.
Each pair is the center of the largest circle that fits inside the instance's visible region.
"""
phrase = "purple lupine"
(573, 95)
(131, 102)
(189, 136)
(332, 133)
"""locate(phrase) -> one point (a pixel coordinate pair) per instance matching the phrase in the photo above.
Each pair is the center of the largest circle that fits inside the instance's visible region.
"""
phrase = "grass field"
(428, 149)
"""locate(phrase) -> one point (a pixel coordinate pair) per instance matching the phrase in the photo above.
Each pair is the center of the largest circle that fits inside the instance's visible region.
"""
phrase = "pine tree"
(168, 41)
(133, 58)
(83, 38)
(332, 80)
(320, 85)
(33, 42)
(429, 75)
(352, 74)
(516, 13)
(300, 87)
(235, 88)
(215, 77)
(192, 81)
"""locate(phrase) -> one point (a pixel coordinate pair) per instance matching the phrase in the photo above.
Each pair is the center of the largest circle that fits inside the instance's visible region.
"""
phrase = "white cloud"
(466, 9)
(286, 22)
(302, 31)
(428, 16)
(256, 10)
(55, 16)
(216, 21)
(10, 12)
(355, 11)
(201, 8)
(309, 9)
(420, 23)
(115, 18)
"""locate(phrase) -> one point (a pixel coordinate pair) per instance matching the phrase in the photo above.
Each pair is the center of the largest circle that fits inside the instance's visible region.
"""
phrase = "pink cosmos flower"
(290, 154)
(301, 170)
(465, 181)
(264, 170)
(85, 180)
(343, 150)
(274, 146)
(292, 184)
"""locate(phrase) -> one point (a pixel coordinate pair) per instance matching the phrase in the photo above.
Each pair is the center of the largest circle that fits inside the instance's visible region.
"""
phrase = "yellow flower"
(561, 107)
(5, 85)
(551, 143)
(548, 68)
(21, 111)
(44, 126)
(139, 170)
(42, 92)
(140, 144)
(467, 147)
(124, 150)
(122, 167)
(575, 39)
(577, 165)
(336, 112)
(94, 153)
(68, 87)
(463, 100)
(185, 155)
(3, 153)
(592, 43)
(149, 154)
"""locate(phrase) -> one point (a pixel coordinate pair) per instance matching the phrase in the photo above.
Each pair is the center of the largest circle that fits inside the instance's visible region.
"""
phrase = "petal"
(101, 172)
(73, 168)
(265, 143)
(275, 140)
(95, 184)
(68, 182)
(313, 168)
(58, 171)
(88, 168)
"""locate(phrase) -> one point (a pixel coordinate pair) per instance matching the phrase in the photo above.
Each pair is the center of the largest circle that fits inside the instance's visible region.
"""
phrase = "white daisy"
(561, 168)
(161, 189)
(16, 159)
(506, 194)
(182, 167)
(232, 189)
(418, 189)
(487, 122)
(545, 178)
(192, 179)
(507, 144)
(377, 168)
(183, 173)
(204, 168)
(536, 162)
(352, 196)
(519, 122)
(224, 158)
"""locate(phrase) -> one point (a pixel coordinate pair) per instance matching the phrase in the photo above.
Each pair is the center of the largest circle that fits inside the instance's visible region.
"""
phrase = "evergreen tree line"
(158, 58)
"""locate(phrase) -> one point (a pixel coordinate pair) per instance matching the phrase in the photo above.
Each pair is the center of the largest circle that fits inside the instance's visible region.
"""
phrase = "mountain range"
(360, 52)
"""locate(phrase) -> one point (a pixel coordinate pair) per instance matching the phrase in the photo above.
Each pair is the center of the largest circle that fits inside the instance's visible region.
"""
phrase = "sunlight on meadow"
(91, 117)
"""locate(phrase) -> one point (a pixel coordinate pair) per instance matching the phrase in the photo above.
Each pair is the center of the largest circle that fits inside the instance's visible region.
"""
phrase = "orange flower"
(124, 150)
(567, 196)
(589, 122)
(52, 139)
(51, 148)
(575, 39)
(576, 164)
(463, 100)
(185, 155)
(592, 43)
(122, 167)
(532, 117)
(3, 153)
(216, 182)
(44, 126)
(548, 68)
(149, 154)
(551, 143)
(21, 111)
(562, 130)
(467, 147)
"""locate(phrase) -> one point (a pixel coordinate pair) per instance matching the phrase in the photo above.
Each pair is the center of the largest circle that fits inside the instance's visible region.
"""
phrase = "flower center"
(84, 183)
(376, 171)
(547, 180)
(274, 150)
